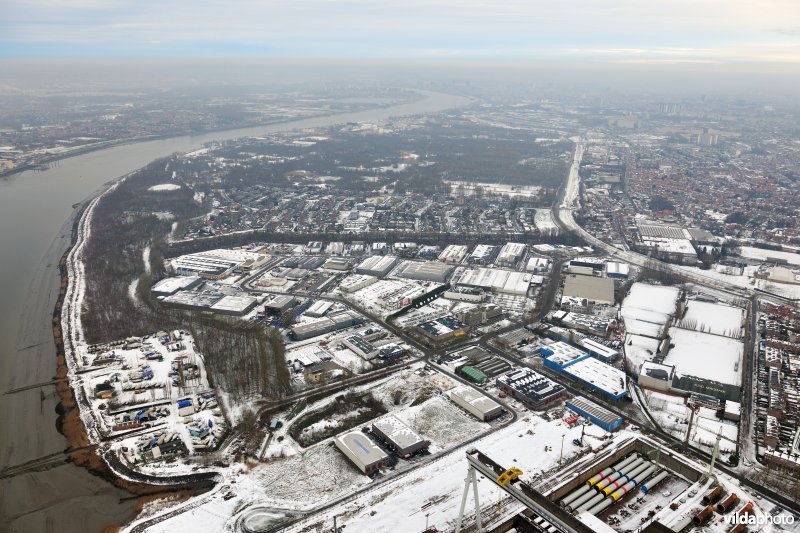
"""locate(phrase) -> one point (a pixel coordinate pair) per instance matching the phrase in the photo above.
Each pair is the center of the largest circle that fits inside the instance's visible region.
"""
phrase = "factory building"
(617, 270)
(356, 282)
(598, 376)
(656, 376)
(324, 325)
(559, 354)
(531, 388)
(597, 414)
(483, 254)
(204, 265)
(400, 438)
(424, 271)
(361, 451)
(600, 351)
(511, 254)
(377, 265)
(475, 403)
(318, 308)
(464, 294)
(361, 347)
(586, 291)
(169, 286)
(441, 330)
(501, 281)
(280, 304)
(234, 305)
(537, 264)
(453, 254)
(479, 315)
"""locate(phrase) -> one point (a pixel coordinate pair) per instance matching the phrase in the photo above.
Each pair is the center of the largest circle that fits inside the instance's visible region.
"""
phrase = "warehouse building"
(656, 376)
(598, 415)
(280, 304)
(588, 290)
(617, 270)
(600, 351)
(475, 403)
(483, 254)
(531, 388)
(443, 329)
(559, 354)
(501, 281)
(169, 286)
(400, 438)
(377, 265)
(598, 376)
(234, 305)
(537, 264)
(480, 315)
(356, 282)
(205, 266)
(361, 451)
(342, 320)
(511, 254)
(424, 271)
(453, 254)
(318, 308)
(361, 347)
(464, 294)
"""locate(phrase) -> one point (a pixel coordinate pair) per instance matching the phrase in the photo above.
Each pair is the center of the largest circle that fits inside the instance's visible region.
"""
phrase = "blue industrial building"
(598, 415)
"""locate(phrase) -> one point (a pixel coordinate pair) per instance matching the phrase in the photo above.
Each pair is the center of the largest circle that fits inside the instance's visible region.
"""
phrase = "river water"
(36, 214)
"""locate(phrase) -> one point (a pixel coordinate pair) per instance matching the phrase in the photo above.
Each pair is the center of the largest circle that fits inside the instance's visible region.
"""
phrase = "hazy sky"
(512, 30)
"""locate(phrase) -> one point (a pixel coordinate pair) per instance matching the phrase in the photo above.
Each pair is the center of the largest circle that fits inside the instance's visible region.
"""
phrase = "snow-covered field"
(165, 187)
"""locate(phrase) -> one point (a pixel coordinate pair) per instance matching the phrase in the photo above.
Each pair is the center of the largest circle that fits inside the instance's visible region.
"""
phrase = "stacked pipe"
(630, 485)
(616, 495)
(607, 482)
(655, 481)
(703, 516)
(725, 505)
(639, 469)
(582, 491)
(713, 495)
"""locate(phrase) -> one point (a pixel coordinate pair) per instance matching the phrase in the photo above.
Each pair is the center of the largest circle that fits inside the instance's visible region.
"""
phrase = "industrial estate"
(533, 336)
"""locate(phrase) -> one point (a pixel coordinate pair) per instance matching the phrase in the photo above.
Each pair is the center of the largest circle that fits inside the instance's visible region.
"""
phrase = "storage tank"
(725, 505)
(630, 485)
(703, 516)
(713, 495)
(655, 481)
(622, 473)
(608, 471)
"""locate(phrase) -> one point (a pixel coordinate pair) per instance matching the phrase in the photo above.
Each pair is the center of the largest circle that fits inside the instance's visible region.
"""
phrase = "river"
(36, 214)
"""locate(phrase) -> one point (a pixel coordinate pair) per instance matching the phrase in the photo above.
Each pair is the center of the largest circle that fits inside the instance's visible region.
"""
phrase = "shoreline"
(111, 143)
(83, 450)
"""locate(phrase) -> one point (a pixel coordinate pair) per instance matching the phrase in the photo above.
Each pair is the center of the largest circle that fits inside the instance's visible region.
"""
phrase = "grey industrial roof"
(592, 288)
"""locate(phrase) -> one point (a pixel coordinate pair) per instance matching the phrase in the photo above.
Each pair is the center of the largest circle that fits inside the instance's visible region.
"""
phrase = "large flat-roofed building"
(464, 294)
(280, 304)
(511, 254)
(559, 354)
(598, 376)
(592, 289)
(656, 376)
(483, 254)
(617, 270)
(169, 286)
(234, 305)
(356, 282)
(529, 387)
(399, 437)
(424, 271)
(361, 451)
(216, 264)
(601, 351)
(475, 403)
(453, 254)
(377, 265)
(441, 330)
(501, 281)
(334, 322)
(597, 414)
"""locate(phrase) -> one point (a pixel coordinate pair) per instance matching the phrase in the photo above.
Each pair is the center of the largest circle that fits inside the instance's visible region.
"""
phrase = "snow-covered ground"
(165, 187)
(762, 254)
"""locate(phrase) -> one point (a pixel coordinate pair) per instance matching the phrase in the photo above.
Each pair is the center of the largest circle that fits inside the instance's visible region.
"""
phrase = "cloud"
(394, 28)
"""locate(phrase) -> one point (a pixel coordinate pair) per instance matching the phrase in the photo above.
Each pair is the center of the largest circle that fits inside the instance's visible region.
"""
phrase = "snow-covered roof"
(706, 356)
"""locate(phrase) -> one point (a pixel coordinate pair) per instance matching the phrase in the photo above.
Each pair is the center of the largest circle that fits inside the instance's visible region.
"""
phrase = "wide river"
(36, 214)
